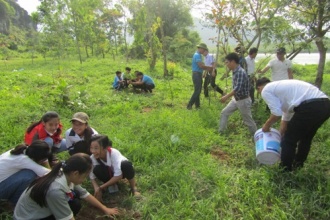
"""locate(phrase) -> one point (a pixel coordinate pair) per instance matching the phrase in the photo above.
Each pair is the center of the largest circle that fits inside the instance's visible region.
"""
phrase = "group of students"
(42, 187)
(140, 81)
(301, 107)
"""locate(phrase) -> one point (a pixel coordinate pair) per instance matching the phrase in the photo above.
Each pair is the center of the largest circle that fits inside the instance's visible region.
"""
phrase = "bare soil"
(219, 154)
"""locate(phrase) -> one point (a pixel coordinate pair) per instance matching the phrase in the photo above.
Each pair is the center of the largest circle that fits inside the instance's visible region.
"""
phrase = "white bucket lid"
(268, 157)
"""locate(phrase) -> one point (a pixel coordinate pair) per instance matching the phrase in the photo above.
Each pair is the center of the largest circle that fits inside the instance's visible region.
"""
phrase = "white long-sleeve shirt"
(284, 95)
(11, 164)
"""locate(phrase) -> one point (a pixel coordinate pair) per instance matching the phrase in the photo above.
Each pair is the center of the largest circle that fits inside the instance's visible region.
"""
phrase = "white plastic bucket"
(268, 147)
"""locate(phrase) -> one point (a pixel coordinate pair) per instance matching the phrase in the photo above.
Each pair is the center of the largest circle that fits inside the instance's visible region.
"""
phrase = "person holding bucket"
(303, 108)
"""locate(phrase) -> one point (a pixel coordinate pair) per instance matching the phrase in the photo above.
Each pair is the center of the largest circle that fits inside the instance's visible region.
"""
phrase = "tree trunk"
(86, 49)
(116, 44)
(164, 49)
(77, 37)
(320, 69)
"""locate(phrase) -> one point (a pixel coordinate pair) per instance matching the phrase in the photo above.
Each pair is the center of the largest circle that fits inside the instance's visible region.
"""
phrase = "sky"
(29, 5)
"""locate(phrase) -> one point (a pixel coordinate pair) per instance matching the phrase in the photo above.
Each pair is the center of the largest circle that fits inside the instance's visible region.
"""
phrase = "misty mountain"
(208, 34)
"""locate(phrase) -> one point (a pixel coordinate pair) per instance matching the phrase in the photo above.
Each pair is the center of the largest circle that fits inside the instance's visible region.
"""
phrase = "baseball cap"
(80, 116)
(281, 50)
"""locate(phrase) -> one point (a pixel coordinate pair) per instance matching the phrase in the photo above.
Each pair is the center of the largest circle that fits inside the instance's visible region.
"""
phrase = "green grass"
(201, 175)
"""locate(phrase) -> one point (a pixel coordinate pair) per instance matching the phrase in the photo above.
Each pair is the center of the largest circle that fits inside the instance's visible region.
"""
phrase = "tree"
(246, 20)
(54, 25)
(314, 20)
(153, 23)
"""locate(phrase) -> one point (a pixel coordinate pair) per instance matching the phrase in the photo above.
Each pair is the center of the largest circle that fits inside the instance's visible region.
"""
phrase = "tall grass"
(185, 169)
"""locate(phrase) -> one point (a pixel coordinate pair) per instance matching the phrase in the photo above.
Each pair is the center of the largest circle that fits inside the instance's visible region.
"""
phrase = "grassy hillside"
(185, 169)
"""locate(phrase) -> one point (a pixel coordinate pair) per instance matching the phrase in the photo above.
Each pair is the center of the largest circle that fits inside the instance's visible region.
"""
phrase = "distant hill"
(14, 15)
(207, 34)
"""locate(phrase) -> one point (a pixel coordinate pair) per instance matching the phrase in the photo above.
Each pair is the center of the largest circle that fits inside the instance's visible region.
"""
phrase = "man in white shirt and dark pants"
(281, 67)
(250, 61)
(303, 108)
(210, 76)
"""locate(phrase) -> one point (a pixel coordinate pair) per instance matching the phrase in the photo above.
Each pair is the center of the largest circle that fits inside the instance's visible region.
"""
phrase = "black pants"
(251, 91)
(75, 206)
(210, 79)
(301, 129)
(145, 87)
(120, 86)
(104, 174)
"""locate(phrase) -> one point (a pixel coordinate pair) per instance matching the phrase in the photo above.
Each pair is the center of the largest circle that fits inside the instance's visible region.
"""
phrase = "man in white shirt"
(303, 108)
(281, 67)
(210, 76)
(250, 61)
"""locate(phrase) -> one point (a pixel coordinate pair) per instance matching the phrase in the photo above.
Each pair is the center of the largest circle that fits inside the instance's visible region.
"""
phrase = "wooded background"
(161, 29)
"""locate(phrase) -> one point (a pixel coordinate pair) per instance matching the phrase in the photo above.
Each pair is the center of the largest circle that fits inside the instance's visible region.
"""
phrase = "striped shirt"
(240, 83)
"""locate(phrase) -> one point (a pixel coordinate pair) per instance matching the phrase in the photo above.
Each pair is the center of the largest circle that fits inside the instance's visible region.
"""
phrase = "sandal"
(135, 193)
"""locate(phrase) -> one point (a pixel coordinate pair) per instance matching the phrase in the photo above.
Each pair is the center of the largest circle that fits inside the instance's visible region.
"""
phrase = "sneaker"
(113, 188)
(189, 107)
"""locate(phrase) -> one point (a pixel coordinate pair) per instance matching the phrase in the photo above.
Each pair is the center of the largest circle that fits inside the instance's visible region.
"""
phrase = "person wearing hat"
(78, 137)
(303, 109)
(197, 75)
(281, 67)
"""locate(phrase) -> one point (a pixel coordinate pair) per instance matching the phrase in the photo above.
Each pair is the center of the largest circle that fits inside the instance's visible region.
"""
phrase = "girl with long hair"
(49, 129)
(20, 166)
(57, 195)
(109, 166)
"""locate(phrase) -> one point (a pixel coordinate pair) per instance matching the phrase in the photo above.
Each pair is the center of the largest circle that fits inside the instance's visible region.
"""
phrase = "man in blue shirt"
(197, 75)
(144, 82)
(240, 93)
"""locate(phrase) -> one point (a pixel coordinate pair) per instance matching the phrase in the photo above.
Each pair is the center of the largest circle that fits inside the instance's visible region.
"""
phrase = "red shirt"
(39, 133)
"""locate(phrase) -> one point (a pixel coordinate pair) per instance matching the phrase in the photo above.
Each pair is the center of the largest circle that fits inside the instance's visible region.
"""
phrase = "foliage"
(315, 22)
(184, 168)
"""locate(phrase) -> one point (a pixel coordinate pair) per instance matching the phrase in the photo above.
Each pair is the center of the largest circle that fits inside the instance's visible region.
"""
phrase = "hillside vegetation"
(185, 169)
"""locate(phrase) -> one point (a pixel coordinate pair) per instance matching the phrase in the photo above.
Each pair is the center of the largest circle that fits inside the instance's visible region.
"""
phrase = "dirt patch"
(122, 200)
(146, 109)
(219, 154)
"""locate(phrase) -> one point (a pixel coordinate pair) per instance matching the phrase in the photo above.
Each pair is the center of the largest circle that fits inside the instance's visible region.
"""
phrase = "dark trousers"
(301, 129)
(251, 91)
(120, 86)
(209, 79)
(145, 87)
(197, 79)
(75, 206)
(104, 173)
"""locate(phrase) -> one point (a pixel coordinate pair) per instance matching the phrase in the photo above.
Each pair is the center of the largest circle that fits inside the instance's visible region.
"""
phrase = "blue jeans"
(56, 148)
(12, 187)
(197, 79)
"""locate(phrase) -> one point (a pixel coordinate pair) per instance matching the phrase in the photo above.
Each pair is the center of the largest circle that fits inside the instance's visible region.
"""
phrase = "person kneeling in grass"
(143, 82)
(20, 166)
(57, 194)
(118, 83)
(109, 166)
(78, 138)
